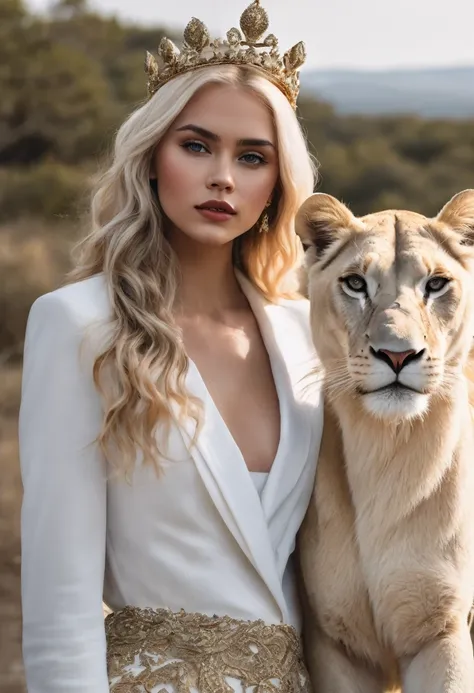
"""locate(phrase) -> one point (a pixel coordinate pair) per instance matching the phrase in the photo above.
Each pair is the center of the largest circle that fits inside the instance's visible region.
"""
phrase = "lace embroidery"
(148, 648)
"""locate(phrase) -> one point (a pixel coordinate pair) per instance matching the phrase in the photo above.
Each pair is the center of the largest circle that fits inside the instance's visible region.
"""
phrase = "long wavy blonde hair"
(145, 360)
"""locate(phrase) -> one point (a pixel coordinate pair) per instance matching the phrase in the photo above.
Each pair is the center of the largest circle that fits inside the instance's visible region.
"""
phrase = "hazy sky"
(345, 33)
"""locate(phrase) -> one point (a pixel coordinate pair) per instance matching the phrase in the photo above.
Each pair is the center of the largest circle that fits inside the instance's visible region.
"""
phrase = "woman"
(168, 439)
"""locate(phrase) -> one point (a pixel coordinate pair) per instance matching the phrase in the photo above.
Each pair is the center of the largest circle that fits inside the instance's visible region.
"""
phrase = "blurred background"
(387, 104)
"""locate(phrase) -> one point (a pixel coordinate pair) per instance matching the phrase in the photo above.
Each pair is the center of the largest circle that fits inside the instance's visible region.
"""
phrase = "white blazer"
(198, 538)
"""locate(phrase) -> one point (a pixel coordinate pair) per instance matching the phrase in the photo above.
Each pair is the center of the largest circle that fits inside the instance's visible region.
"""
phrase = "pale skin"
(222, 147)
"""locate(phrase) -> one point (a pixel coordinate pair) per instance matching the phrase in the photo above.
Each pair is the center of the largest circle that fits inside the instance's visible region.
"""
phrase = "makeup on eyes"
(188, 145)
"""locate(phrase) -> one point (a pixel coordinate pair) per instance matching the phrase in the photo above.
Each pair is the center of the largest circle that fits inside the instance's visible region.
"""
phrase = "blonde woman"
(168, 439)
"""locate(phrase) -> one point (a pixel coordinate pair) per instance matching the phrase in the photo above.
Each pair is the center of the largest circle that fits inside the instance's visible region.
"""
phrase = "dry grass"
(33, 260)
(11, 672)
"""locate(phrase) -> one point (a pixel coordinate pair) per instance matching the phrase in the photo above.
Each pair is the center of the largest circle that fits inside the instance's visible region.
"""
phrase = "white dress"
(198, 540)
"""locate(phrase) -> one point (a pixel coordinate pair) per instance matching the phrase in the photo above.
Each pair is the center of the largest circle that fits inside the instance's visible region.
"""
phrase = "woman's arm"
(64, 507)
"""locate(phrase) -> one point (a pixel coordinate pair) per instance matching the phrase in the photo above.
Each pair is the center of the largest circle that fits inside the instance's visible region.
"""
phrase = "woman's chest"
(236, 370)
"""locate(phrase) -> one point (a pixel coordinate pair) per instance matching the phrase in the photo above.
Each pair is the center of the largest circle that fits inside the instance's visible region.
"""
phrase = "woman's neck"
(208, 285)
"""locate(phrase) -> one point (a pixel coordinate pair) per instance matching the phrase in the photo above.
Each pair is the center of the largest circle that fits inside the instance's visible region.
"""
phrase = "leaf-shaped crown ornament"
(240, 47)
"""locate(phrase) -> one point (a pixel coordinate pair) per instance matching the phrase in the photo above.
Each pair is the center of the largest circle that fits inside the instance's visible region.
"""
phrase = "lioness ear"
(458, 213)
(321, 220)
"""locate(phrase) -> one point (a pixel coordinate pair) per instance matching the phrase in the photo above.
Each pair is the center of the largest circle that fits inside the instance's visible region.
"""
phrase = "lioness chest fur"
(387, 546)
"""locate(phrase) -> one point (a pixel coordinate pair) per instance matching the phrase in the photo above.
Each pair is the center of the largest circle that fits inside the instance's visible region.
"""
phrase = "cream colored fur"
(387, 546)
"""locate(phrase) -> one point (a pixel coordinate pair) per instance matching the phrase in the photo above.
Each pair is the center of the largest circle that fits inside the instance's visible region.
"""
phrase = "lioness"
(387, 546)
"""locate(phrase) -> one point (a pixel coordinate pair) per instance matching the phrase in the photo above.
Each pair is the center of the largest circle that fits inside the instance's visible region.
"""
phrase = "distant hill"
(439, 92)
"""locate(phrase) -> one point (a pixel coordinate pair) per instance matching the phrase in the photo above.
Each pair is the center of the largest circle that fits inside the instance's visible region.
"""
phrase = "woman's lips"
(214, 215)
(216, 210)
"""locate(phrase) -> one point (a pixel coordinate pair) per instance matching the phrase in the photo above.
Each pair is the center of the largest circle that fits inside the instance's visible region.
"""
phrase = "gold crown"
(241, 48)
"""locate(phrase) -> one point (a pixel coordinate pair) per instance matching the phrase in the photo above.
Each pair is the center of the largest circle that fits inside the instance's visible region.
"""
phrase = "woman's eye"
(197, 147)
(355, 283)
(435, 284)
(253, 158)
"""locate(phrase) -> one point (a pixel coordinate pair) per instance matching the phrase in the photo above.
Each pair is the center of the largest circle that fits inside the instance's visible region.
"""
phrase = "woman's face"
(217, 165)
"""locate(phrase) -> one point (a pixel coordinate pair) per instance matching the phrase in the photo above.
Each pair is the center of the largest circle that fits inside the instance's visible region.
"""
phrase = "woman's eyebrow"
(255, 142)
(200, 131)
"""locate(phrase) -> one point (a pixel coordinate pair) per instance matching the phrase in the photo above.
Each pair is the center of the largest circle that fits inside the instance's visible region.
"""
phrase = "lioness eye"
(355, 283)
(436, 284)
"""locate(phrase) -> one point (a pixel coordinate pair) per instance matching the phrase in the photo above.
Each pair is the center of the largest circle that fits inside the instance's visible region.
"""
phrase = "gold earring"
(262, 223)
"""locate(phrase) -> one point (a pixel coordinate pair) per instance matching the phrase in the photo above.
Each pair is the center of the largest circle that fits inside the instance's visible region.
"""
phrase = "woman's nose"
(221, 177)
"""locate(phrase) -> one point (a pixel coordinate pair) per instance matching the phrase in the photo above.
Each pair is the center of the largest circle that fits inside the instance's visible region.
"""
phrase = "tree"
(54, 98)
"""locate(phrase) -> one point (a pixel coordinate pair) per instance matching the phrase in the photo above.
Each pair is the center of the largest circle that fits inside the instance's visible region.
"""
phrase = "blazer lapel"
(285, 331)
(228, 482)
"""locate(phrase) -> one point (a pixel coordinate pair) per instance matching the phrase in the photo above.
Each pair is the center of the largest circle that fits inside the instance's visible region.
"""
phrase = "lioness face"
(392, 301)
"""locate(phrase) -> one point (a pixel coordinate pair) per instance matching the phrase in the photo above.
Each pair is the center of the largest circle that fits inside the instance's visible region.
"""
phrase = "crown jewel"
(241, 47)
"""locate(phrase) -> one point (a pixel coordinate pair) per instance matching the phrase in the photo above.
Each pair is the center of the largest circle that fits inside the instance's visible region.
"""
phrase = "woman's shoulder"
(294, 325)
(68, 321)
(294, 337)
(84, 302)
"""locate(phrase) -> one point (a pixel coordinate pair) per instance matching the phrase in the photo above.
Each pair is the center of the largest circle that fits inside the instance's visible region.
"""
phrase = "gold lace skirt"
(153, 651)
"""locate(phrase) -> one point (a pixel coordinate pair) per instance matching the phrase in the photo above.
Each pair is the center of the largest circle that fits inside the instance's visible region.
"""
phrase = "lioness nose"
(397, 359)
